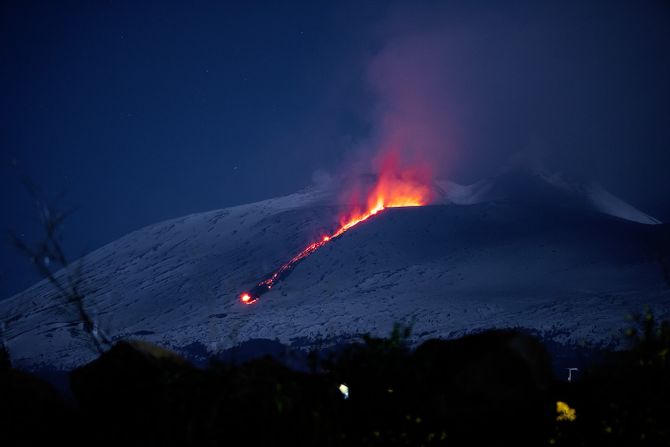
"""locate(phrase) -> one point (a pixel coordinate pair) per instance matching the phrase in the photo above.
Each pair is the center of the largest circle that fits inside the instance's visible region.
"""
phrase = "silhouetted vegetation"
(48, 257)
(5, 362)
(624, 400)
(492, 388)
(663, 251)
(31, 411)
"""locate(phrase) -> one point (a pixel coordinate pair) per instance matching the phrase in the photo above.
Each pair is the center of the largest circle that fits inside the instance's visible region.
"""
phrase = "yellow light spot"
(344, 390)
(565, 413)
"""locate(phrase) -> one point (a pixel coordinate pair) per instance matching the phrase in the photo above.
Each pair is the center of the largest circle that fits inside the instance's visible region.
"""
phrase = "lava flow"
(391, 190)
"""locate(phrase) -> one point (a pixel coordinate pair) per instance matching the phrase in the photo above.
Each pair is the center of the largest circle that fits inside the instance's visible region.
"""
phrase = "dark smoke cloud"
(580, 87)
(412, 116)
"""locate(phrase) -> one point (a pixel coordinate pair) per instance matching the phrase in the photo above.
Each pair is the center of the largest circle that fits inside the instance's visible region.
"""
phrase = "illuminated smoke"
(394, 187)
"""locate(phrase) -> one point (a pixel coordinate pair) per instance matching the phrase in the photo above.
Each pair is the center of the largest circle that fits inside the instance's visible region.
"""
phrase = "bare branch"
(49, 259)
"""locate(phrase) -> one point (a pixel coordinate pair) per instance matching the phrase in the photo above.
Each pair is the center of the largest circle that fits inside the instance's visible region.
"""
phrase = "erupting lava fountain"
(395, 187)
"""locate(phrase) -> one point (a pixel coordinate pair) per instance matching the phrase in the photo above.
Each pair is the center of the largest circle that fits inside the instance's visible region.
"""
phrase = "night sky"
(144, 111)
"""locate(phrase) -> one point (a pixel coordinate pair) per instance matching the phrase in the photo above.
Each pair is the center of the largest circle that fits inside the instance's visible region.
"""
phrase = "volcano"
(394, 187)
(565, 259)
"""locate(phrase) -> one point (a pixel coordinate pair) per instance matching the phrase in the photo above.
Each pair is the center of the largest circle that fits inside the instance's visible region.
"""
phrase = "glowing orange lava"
(393, 189)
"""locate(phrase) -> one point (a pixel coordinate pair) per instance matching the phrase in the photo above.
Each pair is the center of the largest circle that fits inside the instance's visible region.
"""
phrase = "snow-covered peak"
(531, 184)
(607, 203)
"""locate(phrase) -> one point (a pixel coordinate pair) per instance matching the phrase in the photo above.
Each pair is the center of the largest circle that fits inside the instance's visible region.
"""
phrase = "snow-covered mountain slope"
(533, 185)
(547, 261)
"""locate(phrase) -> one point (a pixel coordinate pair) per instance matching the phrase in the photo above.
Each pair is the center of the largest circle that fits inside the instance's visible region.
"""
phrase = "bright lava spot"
(246, 298)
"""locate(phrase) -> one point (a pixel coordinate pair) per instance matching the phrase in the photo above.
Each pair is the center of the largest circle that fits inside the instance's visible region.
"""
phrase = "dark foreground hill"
(493, 388)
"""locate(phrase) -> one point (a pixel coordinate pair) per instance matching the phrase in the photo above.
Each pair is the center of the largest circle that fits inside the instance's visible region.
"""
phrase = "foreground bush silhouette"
(31, 411)
(486, 387)
(625, 400)
(492, 388)
(150, 396)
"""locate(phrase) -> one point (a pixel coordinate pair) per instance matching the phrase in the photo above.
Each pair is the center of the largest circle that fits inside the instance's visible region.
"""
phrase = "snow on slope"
(545, 262)
(520, 183)
(605, 202)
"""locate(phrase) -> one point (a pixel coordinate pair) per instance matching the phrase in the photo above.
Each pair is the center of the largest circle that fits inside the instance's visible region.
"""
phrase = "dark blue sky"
(145, 111)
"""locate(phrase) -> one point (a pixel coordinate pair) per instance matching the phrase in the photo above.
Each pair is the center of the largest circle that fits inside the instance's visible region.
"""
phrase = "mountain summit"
(521, 249)
(526, 185)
